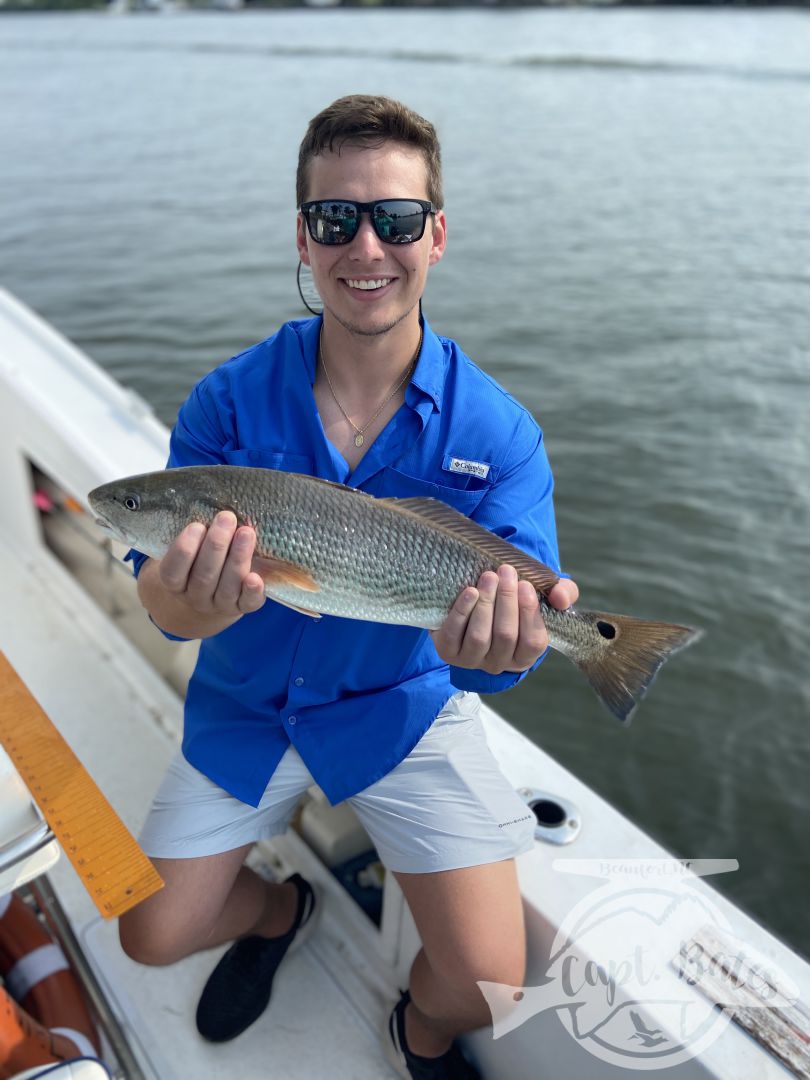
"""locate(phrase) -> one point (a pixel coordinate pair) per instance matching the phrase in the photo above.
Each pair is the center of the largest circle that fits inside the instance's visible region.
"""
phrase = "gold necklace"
(359, 438)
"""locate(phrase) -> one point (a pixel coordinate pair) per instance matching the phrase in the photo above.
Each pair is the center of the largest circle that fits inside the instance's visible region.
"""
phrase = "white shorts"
(447, 805)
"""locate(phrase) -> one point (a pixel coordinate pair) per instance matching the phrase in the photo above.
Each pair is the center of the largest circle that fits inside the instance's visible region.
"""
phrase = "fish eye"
(132, 502)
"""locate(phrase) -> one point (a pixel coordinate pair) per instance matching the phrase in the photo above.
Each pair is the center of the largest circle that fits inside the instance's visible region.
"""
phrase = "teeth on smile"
(378, 284)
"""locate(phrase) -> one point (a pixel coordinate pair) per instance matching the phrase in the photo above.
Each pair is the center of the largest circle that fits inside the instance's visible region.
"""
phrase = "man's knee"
(463, 975)
(149, 942)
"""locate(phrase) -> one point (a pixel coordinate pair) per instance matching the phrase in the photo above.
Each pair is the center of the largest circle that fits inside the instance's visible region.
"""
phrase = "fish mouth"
(112, 530)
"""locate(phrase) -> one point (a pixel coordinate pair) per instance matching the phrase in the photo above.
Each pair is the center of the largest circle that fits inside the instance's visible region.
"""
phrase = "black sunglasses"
(395, 221)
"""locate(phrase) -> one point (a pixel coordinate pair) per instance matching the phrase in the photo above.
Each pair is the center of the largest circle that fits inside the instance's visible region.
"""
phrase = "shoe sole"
(394, 1056)
(306, 932)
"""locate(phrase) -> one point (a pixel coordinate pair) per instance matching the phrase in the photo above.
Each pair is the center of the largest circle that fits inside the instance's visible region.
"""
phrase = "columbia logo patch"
(469, 468)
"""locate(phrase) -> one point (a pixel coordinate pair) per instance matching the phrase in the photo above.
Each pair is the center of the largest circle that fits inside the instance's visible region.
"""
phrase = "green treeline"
(155, 5)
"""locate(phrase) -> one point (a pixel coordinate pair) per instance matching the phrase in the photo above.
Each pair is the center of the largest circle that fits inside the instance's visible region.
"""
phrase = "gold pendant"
(359, 440)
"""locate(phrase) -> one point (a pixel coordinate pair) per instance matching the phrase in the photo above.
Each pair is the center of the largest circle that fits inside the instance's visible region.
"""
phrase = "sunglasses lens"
(399, 221)
(396, 221)
(332, 222)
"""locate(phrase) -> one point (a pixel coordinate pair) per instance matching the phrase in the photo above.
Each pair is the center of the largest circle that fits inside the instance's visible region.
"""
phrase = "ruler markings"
(80, 833)
(107, 858)
(106, 861)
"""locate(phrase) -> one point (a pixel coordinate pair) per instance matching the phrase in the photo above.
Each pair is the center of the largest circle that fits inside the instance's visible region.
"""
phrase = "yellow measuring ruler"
(104, 853)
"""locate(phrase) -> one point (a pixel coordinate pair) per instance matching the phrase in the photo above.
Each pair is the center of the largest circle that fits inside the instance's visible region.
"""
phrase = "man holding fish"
(383, 715)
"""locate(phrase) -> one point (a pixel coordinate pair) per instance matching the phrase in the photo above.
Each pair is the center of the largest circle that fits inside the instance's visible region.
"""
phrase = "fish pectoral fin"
(281, 572)
(441, 516)
(295, 607)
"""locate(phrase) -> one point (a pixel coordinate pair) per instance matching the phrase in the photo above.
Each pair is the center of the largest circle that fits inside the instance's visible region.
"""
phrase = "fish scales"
(369, 560)
(323, 548)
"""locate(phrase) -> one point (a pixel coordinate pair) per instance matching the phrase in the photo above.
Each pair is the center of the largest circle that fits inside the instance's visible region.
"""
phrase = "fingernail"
(508, 574)
(225, 518)
(196, 530)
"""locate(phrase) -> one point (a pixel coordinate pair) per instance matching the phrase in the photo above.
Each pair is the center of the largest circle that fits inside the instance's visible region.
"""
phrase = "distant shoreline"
(35, 7)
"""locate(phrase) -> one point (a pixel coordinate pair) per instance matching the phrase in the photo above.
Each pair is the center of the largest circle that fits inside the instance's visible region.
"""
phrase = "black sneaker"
(238, 989)
(450, 1066)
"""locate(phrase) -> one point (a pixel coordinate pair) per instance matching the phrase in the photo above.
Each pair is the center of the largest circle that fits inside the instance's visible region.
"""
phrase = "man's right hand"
(204, 582)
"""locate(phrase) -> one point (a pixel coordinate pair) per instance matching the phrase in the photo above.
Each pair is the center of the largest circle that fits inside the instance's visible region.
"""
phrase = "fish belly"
(348, 604)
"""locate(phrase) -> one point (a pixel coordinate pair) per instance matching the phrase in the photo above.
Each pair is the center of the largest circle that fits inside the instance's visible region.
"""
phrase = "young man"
(384, 716)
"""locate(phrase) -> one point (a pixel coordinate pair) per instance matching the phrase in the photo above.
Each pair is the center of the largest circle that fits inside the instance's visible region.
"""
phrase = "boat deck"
(125, 729)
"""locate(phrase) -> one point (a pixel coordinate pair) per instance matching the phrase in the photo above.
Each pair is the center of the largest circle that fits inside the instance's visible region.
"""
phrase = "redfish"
(326, 549)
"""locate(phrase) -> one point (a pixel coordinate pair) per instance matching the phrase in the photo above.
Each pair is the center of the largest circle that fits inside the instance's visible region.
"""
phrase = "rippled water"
(628, 199)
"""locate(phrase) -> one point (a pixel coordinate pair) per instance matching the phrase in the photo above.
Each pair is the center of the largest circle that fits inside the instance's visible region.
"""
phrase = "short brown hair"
(366, 120)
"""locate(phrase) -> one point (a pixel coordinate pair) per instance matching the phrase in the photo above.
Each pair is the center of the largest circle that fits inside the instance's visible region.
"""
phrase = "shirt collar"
(430, 368)
(310, 336)
(428, 378)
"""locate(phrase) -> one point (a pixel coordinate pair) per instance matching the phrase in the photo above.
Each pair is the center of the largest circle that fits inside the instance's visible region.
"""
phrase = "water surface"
(628, 199)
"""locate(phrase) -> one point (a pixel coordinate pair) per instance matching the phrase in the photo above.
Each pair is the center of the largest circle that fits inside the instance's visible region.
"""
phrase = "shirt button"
(292, 719)
(299, 681)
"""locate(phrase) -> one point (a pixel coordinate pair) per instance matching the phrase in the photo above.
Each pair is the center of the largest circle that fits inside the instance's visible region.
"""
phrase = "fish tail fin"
(630, 654)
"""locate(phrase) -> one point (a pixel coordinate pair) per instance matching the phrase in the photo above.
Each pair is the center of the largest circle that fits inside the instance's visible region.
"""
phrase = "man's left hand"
(498, 626)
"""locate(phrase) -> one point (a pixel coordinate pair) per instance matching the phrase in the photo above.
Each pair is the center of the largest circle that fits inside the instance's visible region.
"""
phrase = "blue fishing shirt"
(353, 697)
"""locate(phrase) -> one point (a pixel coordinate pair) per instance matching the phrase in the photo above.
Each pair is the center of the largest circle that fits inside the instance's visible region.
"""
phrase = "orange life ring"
(43, 1014)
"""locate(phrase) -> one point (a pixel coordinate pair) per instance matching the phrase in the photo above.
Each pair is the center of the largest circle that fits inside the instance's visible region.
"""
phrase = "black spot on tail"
(622, 671)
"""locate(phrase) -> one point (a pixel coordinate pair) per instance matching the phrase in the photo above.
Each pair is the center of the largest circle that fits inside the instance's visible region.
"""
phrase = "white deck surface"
(123, 727)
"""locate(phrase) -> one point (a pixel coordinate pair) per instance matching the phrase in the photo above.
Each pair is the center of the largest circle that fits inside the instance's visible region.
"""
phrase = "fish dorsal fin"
(441, 516)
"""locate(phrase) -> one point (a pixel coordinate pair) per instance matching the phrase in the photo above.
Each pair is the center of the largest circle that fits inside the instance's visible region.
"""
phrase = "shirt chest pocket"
(401, 486)
(269, 459)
